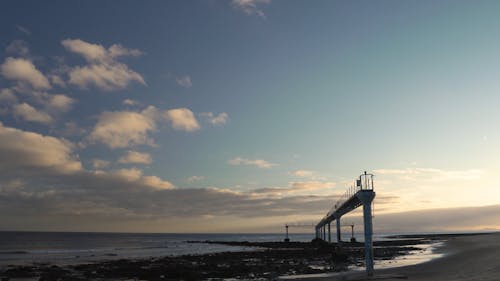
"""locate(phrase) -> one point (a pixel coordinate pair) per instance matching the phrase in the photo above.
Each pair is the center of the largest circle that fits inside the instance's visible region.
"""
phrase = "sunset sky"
(244, 115)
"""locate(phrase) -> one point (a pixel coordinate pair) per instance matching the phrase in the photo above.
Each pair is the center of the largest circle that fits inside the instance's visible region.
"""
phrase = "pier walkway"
(361, 194)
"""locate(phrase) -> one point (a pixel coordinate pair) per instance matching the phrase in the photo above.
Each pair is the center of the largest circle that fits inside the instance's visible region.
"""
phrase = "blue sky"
(194, 115)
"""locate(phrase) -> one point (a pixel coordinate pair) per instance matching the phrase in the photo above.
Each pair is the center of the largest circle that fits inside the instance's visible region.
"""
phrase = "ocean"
(78, 247)
(62, 248)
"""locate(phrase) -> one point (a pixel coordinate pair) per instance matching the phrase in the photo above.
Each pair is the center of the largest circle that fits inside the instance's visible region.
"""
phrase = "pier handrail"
(364, 182)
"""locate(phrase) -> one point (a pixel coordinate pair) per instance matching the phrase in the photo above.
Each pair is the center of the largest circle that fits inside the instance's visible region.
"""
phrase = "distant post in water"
(352, 234)
(287, 239)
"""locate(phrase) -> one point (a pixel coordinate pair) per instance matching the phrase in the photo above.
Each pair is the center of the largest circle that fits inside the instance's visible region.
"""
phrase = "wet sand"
(467, 258)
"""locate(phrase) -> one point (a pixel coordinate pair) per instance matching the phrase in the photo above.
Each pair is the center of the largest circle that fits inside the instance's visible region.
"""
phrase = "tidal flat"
(267, 261)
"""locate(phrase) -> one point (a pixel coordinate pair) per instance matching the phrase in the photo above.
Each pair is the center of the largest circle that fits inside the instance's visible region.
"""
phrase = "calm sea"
(77, 247)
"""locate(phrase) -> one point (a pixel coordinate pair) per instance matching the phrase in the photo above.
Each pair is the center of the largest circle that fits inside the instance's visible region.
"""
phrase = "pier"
(361, 194)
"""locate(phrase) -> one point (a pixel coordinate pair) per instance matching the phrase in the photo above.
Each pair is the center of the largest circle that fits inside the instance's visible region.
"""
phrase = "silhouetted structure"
(361, 194)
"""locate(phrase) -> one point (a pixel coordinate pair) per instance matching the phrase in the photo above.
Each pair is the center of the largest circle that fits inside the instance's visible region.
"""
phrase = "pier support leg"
(329, 233)
(366, 198)
(339, 239)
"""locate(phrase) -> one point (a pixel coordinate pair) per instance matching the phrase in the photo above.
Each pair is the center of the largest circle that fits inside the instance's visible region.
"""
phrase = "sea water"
(78, 247)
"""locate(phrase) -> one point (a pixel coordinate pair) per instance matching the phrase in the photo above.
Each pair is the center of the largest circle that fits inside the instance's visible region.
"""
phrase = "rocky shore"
(267, 262)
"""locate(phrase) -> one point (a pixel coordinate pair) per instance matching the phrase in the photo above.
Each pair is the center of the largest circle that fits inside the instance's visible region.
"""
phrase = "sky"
(244, 115)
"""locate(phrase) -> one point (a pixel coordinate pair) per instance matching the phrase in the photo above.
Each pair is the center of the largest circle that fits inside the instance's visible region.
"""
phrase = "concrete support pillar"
(329, 233)
(339, 239)
(366, 198)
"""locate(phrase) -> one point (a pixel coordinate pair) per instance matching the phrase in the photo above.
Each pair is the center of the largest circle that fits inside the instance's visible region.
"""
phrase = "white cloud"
(57, 80)
(11, 185)
(302, 173)
(312, 185)
(131, 174)
(54, 103)
(31, 155)
(7, 96)
(157, 183)
(23, 150)
(122, 195)
(135, 157)
(99, 164)
(23, 30)
(29, 113)
(259, 163)
(184, 81)
(441, 220)
(135, 175)
(213, 119)
(23, 70)
(431, 174)
(130, 102)
(250, 7)
(182, 119)
(124, 128)
(117, 50)
(104, 76)
(120, 129)
(60, 103)
(64, 189)
(96, 52)
(71, 129)
(40, 106)
(103, 70)
(295, 188)
(91, 52)
(195, 178)
(18, 47)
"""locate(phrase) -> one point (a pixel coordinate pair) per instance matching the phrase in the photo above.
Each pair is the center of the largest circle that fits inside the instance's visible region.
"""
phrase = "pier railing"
(364, 182)
(361, 194)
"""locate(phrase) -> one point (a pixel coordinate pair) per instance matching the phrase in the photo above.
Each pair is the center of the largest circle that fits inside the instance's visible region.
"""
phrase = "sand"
(467, 258)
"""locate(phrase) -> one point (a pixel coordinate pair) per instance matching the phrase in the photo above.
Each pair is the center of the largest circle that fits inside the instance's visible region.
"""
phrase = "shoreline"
(465, 258)
(473, 257)
(268, 261)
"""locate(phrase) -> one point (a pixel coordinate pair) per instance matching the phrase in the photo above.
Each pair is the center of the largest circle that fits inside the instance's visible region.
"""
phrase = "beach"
(466, 258)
